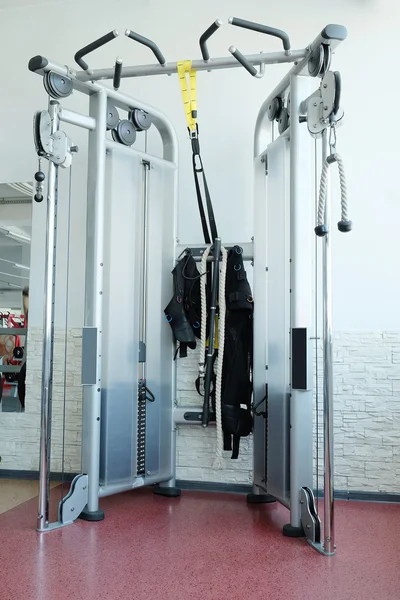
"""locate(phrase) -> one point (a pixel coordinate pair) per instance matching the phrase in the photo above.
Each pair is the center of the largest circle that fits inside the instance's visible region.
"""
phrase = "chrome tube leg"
(329, 530)
(48, 334)
(94, 302)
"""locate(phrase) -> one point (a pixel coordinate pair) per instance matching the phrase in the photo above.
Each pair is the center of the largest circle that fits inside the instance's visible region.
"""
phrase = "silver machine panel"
(124, 238)
(278, 319)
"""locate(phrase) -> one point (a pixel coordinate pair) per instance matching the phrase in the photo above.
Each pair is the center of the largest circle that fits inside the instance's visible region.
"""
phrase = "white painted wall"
(365, 262)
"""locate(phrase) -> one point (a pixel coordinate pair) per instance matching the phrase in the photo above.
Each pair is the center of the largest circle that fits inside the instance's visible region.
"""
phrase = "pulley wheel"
(57, 86)
(338, 90)
(316, 61)
(49, 91)
(124, 133)
(274, 109)
(283, 120)
(112, 116)
(36, 133)
(327, 59)
(141, 119)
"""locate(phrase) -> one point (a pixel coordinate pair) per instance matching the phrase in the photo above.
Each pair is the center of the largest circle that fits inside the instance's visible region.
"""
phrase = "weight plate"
(316, 61)
(140, 119)
(61, 85)
(274, 109)
(112, 116)
(126, 132)
(283, 120)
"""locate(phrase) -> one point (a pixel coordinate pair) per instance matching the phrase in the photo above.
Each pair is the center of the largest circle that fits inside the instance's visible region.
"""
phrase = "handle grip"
(206, 35)
(262, 29)
(243, 61)
(149, 43)
(117, 73)
(93, 46)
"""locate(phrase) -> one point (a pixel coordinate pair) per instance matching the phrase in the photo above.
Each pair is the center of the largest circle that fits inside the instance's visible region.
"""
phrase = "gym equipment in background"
(129, 411)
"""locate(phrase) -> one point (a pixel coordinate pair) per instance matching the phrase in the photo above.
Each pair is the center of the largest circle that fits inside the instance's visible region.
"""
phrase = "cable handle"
(148, 43)
(266, 29)
(205, 36)
(344, 225)
(93, 46)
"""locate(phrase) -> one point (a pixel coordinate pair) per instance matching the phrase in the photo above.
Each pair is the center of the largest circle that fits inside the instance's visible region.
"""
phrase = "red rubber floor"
(202, 546)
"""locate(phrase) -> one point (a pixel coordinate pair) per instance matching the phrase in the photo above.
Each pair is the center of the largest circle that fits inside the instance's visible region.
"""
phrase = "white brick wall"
(366, 418)
(366, 411)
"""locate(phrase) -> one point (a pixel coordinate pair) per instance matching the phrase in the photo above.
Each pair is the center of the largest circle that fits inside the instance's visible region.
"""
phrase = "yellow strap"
(216, 320)
(189, 99)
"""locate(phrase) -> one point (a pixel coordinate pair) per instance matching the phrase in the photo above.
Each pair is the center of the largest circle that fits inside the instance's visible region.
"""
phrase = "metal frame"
(298, 272)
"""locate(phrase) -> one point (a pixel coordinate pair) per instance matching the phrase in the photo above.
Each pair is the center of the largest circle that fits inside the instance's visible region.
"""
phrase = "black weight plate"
(316, 61)
(140, 119)
(61, 85)
(112, 116)
(274, 109)
(283, 120)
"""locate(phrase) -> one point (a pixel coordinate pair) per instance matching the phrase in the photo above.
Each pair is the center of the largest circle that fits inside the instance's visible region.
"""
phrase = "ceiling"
(15, 234)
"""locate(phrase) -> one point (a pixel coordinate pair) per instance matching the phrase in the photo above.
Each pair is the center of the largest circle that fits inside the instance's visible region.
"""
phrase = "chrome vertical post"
(329, 529)
(48, 333)
(94, 282)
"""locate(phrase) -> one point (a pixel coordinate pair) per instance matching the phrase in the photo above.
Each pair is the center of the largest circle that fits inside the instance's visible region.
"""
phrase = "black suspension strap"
(198, 169)
(190, 106)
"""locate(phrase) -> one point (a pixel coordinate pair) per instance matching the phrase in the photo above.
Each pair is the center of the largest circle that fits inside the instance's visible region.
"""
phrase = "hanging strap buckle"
(194, 138)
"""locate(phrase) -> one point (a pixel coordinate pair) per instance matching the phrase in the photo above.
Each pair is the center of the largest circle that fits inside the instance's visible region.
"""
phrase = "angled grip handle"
(243, 61)
(146, 42)
(117, 73)
(206, 35)
(94, 46)
(282, 35)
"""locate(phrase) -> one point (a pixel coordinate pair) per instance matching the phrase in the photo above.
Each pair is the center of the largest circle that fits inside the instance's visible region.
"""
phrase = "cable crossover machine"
(129, 415)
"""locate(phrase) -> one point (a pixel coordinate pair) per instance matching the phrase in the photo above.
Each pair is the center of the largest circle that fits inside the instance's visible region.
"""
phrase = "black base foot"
(91, 515)
(293, 532)
(260, 499)
(168, 492)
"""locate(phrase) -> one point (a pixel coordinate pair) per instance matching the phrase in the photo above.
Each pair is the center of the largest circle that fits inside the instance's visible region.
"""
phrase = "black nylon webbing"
(197, 163)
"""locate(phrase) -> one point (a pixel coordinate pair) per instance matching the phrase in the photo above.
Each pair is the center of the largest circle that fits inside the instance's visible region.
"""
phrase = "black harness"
(237, 385)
